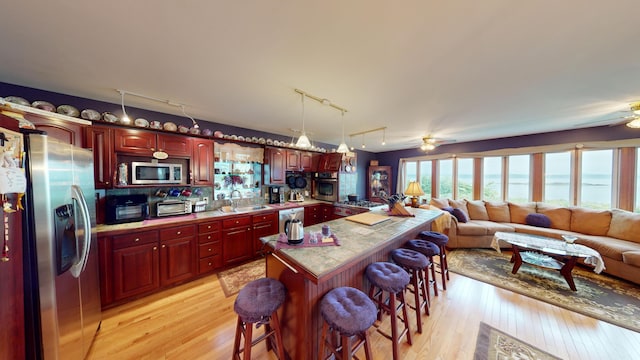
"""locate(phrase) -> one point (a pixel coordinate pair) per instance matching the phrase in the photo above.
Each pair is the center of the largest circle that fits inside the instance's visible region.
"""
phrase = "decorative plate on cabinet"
(68, 110)
(17, 100)
(44, 105)
(90, 114)
(140, 122)
(109, 117)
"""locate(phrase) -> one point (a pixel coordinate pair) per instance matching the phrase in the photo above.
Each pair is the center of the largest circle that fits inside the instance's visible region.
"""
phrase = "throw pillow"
(439, 203)
(560, 216)
(477, 211)
(519, 212)
(498, 211)
(448, 209)
(461, 204)
(460, 215)
(539, 220)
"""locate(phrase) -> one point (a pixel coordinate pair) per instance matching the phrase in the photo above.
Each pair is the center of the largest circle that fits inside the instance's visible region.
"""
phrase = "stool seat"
(409, 258)
(348, 310)
(259, 299)
(435, 237)
(424, 247)
(387, 276)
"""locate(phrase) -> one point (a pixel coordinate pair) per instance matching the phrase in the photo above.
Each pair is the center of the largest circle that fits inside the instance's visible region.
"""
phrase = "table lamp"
(414, 190)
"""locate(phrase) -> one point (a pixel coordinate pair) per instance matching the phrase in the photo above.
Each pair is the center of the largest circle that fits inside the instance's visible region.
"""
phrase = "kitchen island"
(310, 272)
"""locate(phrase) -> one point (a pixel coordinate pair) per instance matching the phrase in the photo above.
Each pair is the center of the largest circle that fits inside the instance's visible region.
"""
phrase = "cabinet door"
(65, 131)
(312, 215)
(202, 162)
(135, 270)
(306, 161)
(263, 225)
(175, 145)
(134, 141)
(379, 183)
(293, 160)
(277, 160)
(100, 140)
(237, 241)
(330, 162)
(178, 260)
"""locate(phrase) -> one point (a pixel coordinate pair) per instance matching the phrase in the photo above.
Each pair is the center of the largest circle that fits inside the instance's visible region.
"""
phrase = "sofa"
(615, 233)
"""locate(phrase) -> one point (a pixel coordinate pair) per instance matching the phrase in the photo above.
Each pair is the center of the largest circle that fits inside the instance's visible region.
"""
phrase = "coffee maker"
(276, 194)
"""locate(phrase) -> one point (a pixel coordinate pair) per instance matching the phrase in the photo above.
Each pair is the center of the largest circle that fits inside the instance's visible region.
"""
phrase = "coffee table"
(547, 253)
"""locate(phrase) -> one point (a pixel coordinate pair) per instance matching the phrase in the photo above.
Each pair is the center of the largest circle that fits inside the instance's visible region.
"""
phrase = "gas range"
(347, 208)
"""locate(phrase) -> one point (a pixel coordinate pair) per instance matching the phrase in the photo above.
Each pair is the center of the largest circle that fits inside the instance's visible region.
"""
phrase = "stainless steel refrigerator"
(61, 261)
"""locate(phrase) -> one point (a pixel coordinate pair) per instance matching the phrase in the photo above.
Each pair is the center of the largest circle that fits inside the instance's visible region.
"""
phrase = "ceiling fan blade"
(607, 122)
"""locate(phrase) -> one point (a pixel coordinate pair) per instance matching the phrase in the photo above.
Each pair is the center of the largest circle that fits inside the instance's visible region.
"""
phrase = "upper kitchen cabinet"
(297, 160)
(202, 161)
(100, 140)
(330, 162)
(65, 131)
(145, 143)
(275, 172)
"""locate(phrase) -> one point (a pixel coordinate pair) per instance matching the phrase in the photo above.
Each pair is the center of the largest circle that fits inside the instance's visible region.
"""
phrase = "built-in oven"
(325, 186)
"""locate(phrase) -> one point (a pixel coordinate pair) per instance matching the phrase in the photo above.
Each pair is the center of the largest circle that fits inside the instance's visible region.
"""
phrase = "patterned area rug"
(494, 344)
(234, 279)
(599, 296)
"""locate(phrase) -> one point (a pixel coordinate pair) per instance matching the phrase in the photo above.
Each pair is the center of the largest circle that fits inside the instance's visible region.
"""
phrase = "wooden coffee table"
(547, 253)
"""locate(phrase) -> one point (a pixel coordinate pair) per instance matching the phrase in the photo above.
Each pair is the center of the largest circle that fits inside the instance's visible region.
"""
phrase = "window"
(637, 207)
(411, 172)
(445, 179)
(596, 179)
(425, 177)
(464, 183)
(492, 178)
(557, 178)
(518, 178)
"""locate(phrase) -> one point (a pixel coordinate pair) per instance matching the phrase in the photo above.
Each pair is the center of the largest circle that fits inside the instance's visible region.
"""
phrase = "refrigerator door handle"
(85, 242)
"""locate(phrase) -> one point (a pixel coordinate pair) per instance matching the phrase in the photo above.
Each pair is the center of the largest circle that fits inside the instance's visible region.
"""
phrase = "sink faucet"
(235, 201)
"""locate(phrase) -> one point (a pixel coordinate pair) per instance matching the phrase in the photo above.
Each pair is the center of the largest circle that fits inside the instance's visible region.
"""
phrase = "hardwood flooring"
(196, 321)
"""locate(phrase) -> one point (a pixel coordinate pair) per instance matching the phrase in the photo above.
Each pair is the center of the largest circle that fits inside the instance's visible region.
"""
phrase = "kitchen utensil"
(294, 230)
(352, 197)
(174, 192)
(301, 182)
(291, 181)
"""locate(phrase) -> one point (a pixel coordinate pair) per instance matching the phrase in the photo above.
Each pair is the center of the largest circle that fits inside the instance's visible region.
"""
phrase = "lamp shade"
(303, 141)
(414, 189)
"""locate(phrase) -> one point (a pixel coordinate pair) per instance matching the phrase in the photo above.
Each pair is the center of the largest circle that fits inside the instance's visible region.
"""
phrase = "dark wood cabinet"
(65, 131)
(202, 162)
(136, 263)
(145, 143)
(100, 140)
(379, 183)
(178, 254)
(209, 247)
(318, 213)
(330, 162)
(237, 240)
(299, 160)
(276, 159)
(263, 225)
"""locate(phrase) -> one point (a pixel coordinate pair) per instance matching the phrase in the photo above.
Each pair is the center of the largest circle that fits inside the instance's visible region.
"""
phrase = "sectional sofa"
(615, 233)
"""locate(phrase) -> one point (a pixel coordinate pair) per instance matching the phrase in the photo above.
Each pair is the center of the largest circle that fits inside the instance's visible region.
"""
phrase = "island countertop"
(356, 240)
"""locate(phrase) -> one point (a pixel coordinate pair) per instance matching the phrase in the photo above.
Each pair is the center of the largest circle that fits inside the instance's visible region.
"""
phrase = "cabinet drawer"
(235, 222)
(206, 250)
(180, 231)
(206, 238)
(209, 264)
(124, 241)
(264, 218)
(208, 227)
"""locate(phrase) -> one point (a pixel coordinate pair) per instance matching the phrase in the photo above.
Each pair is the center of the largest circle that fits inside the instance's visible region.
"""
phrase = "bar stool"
(415, 264)
(390, 278)
(257, 304)
(441, 240)
(429, 250)
(349, 313)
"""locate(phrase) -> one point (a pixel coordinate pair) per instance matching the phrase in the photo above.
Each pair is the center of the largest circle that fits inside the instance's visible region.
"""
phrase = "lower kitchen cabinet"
(263, 225)
(237, 241)
(178, 254)
(136, 263)
(318, 213)
(209, 247)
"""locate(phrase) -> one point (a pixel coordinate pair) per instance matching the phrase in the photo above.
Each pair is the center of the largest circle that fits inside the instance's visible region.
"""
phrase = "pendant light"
(303, 140)
(125, 119)
(343, 148)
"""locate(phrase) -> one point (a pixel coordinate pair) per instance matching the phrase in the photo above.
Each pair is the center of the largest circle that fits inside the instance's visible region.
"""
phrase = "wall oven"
(326, 186)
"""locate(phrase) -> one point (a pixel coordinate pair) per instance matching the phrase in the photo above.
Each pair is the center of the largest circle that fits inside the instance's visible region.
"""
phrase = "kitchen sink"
(229, 209)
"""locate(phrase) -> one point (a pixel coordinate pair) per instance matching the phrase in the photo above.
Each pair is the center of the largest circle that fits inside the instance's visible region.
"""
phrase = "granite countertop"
(355, 239)
(202, 216)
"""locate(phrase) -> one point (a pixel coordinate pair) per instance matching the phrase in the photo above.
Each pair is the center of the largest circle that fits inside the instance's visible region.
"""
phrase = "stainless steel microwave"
(150, 173)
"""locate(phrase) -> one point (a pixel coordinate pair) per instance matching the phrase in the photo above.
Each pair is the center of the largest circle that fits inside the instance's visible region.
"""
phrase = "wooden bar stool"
(390, 278)
(257, 304)
(441, 240)
(415, 264)
(347, 313)
(429, 250)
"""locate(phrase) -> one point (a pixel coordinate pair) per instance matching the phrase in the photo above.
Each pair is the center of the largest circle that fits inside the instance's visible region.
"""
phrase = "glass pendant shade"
(343, 148)
(303, 141)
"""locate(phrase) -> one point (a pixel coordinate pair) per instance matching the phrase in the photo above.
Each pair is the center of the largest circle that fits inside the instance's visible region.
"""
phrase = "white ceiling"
(462, 70)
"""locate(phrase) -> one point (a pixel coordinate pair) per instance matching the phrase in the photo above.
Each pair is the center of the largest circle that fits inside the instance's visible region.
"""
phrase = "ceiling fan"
(632, 120)
(429, 143)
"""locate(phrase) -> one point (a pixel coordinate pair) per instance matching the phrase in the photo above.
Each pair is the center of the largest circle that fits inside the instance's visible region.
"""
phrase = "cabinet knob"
(164, 246)
(179, 232)
(209, 264)
(209, 227)
(208, 237)
(152, 149)
(155, 248)
(237, 222)
(210, 249)
(137, 239)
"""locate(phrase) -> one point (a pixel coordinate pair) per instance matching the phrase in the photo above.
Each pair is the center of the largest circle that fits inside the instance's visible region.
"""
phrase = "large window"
(445, 179)
(519, 178)
(411, 173)
(425, 177)
(596, 179)
(637, 207)
(557, 178)
(464, 183)
(492, 178)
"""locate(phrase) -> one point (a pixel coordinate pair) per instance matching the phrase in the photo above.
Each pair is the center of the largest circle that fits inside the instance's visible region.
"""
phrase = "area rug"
(234, 279)
(599, 296)
(493, 344)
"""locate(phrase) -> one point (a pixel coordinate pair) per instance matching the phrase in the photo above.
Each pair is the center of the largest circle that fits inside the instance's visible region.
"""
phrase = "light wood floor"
(196, 321)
